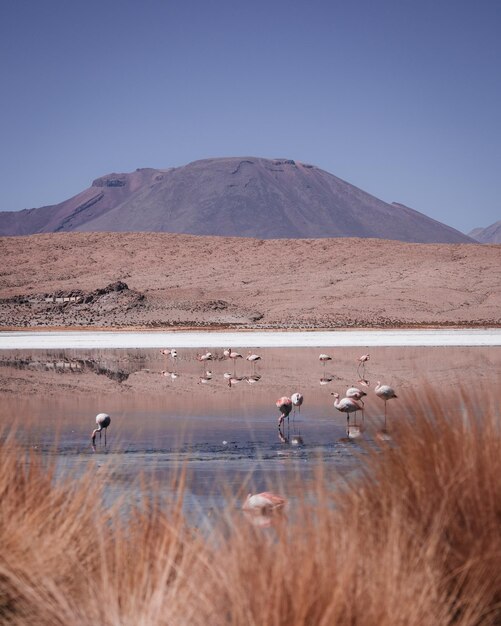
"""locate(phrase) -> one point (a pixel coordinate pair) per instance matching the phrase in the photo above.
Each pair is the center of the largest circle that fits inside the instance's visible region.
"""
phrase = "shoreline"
(196, 338)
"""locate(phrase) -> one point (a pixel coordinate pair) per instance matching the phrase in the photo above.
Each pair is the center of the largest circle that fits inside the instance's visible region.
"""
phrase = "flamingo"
(385, 392)
(234, 356)
(264, 502)
(205, 357)
(253, 358)
(103, 420)
(297, 400)
(346, 405)
(355, 392)
(234, 380)
(167, 352)
(362, 360)
(284, 404)
(324, 358)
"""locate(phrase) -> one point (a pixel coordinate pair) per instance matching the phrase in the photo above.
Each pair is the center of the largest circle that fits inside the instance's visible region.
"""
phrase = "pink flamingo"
(103, 420)
(385, 392)
(356, 394)
(324, 358)
(205, 357)
(253, 359)
(284, 405)
(346, 405)
(264, 502)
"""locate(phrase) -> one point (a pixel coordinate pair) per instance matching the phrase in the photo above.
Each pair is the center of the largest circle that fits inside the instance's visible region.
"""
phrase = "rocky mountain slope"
(243, 197)
(491, 234)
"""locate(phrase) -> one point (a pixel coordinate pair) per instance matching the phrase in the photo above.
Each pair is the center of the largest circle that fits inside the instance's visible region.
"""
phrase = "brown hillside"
(189, 280)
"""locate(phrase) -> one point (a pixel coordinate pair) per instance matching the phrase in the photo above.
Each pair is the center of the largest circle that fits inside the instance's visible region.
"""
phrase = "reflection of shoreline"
(69, 366)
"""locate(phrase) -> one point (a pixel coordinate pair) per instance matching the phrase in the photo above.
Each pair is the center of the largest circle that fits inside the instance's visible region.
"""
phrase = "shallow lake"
(218, 418)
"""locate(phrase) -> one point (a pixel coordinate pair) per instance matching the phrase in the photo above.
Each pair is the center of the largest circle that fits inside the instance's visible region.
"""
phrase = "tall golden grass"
(413, 538)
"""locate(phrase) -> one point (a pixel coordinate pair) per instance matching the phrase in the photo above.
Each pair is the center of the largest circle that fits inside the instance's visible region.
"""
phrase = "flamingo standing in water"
(233, 356)
(253, 358)
(297, 400)
(324, 358)
(284, 405)
(346, 405)
(356, 394)
(103, 420)
(385, 392)
(362, 360)
(205, 357)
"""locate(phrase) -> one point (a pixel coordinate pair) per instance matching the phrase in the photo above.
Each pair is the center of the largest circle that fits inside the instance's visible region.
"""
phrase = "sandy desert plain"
(399, 525)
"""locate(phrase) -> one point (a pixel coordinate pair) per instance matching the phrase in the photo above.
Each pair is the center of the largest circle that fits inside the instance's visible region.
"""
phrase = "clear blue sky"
(399, 97)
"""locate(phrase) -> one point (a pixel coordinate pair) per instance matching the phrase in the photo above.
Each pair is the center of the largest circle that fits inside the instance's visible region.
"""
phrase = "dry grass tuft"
(413, 539)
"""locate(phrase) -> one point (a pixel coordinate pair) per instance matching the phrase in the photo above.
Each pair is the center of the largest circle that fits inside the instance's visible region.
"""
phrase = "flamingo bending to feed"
(264, 502)
(385, 392)
(284, 405)
(346, 405)
(205, 357)
(324, 358)
(103, 420)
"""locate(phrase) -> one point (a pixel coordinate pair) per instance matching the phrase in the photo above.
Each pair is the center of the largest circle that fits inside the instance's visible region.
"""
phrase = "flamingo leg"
(105, 437)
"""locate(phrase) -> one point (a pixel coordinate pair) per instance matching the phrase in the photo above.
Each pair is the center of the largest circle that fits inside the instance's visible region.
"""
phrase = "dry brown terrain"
(184, 280)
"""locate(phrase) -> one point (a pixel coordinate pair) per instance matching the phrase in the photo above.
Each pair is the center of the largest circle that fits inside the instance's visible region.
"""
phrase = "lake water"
(221, 427)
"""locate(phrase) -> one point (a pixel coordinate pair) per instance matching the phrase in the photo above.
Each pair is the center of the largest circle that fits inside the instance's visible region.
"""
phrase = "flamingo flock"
(261, 507)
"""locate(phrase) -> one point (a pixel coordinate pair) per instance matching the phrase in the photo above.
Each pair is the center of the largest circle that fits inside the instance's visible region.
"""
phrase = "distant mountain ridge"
(237, 196)
(490, 234)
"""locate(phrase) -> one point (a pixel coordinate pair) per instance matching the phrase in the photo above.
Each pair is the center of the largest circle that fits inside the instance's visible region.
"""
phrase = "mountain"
(491, 234)
(243, 197)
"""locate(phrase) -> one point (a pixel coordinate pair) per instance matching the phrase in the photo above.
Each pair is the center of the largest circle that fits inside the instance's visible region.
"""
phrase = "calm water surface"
(220, 426)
